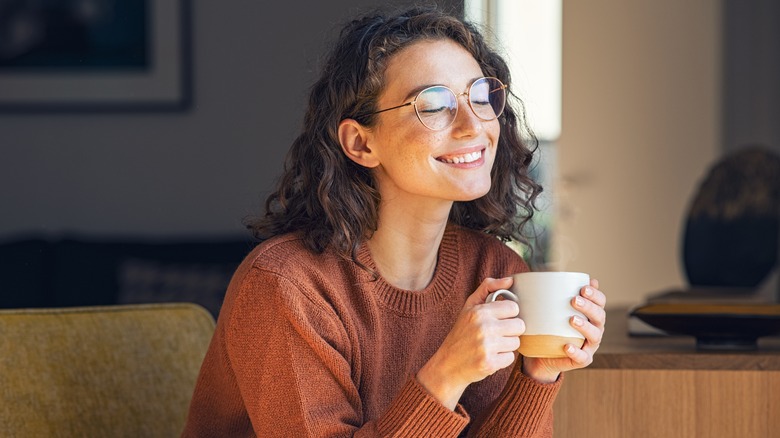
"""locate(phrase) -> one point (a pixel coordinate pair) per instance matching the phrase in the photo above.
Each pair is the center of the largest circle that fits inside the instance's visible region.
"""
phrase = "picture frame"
(150, 72)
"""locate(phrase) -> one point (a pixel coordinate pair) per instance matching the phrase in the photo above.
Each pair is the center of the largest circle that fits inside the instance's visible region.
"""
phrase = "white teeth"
(467, 158)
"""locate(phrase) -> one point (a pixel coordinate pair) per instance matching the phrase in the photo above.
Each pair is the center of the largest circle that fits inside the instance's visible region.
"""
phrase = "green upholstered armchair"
(108, 371)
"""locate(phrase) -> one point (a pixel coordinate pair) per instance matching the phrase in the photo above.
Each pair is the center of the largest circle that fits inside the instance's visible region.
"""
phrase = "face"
(415, 163)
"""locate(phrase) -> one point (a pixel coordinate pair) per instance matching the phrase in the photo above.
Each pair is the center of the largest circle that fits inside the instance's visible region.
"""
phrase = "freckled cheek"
(434, 141)
(495, 131)
(423, 144)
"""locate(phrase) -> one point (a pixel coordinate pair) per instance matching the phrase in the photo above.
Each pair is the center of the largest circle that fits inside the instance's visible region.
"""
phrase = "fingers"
(579, 356)
(499, 323)
(513, 327)
(503, 309)
(592, 327)
(498, 318)
(494, 284)
(592, 333)
(593, 293)
(503, 360)
(590, 302)
(582, 357)
(485, 288)
(506, 339)
(596, 314)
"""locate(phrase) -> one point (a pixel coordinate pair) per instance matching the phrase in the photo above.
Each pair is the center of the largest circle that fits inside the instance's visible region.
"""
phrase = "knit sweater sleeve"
(524, 408)
(292, 357)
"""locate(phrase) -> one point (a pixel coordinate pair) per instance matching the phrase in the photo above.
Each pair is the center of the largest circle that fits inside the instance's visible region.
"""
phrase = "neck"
(405, 245)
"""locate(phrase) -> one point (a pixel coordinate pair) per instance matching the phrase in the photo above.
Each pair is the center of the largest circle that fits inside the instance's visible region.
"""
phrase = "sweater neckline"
(409, 302)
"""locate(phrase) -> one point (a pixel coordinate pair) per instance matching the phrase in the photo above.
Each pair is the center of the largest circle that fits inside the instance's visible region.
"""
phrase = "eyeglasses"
(437, 106)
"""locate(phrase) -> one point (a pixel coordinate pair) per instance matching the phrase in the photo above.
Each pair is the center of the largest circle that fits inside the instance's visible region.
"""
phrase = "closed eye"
(435, 110)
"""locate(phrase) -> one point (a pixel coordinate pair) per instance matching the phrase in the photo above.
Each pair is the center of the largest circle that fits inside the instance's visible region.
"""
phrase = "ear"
(354, 142)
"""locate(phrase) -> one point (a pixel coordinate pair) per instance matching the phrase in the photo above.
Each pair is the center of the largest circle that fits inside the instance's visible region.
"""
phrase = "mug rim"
(554, 272)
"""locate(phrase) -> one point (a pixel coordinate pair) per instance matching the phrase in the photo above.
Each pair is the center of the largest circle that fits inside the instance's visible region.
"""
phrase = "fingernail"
(570, 348)
(579, 301)
(588, 291)
(578, 321)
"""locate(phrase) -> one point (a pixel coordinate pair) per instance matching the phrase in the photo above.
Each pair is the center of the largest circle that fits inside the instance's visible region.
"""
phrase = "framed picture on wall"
(94, 55)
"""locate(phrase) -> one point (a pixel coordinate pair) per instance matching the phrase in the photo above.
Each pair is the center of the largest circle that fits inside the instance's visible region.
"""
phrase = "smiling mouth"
(461, 159)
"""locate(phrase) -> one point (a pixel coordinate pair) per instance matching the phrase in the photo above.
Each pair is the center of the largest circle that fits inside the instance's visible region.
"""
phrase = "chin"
(473, 194)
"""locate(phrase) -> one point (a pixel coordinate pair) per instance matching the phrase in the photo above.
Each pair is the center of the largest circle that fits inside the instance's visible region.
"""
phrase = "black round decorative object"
(733, 225)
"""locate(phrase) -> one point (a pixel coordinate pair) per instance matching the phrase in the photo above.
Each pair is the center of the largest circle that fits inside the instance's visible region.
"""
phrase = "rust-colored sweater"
(312, 345)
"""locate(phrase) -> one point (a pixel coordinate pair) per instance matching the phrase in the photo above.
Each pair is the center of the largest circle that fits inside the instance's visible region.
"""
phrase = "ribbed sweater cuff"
(523, 407)
(415, 413)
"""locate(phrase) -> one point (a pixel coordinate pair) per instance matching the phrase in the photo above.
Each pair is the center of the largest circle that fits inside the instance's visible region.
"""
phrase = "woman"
(362, 311)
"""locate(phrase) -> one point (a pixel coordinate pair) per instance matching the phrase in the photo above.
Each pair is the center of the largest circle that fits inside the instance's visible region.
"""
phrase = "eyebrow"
(416, 90)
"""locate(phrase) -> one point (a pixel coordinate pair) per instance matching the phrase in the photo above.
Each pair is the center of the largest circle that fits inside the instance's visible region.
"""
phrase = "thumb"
(488, 286)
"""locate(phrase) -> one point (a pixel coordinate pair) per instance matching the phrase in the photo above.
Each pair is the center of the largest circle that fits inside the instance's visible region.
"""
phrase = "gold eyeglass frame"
(466, 93)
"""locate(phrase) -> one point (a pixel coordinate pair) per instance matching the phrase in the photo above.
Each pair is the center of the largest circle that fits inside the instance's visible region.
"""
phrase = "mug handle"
(501, 293)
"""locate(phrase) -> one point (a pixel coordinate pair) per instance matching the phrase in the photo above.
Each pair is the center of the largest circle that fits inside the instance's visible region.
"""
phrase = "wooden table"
(664, 387)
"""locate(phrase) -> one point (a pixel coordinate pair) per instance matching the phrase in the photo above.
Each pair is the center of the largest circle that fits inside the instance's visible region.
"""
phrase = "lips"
(469, 157)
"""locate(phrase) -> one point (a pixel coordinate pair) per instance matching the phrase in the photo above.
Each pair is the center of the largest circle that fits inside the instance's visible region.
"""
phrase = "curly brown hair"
(333, 201)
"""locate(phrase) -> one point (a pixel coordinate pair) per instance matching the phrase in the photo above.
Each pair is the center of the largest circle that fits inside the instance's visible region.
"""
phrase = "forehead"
(430, 62)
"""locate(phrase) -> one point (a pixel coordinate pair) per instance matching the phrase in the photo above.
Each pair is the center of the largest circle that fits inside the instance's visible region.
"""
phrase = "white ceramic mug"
(545, 299)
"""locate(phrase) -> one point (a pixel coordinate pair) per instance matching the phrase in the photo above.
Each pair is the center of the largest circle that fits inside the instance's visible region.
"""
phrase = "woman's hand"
(482, 341)
(590, 302)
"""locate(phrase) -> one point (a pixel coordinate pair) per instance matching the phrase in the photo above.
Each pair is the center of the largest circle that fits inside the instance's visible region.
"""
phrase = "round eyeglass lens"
(487, 98)
(436, 107)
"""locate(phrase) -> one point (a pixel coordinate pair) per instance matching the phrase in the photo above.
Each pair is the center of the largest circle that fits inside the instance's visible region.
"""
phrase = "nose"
(466, 122)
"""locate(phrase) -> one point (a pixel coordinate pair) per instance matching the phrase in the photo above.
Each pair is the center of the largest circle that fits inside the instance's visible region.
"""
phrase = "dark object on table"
(731, 233)
(715, 326)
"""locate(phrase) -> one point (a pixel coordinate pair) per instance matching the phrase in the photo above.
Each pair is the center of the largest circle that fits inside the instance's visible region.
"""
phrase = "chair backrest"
(100, 371)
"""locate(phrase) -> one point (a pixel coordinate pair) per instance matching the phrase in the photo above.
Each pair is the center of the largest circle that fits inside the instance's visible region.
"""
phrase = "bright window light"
(529, 35)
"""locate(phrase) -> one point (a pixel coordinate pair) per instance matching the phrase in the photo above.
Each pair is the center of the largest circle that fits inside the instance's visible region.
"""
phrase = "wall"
(195, 172)
(751, 66)
(640, 126)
